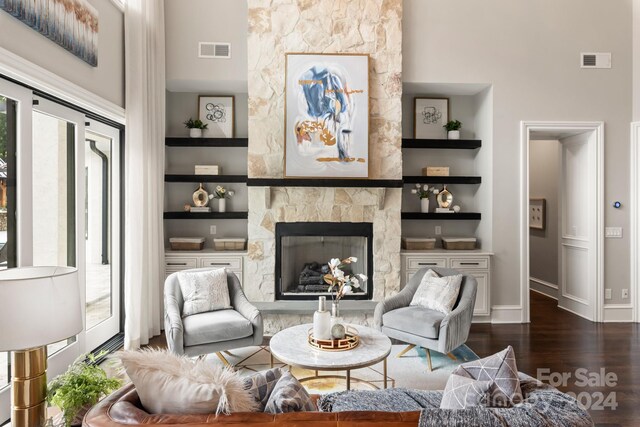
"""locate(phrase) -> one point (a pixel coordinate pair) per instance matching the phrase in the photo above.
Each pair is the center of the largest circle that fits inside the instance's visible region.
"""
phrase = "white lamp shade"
(38, 306)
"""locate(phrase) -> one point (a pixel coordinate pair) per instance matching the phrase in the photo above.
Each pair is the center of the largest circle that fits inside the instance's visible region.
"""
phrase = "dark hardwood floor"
(563, 342)
(560, 342)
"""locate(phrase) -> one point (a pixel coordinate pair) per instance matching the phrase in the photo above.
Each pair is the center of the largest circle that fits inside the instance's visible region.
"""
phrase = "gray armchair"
(214, 331)
(430, 329)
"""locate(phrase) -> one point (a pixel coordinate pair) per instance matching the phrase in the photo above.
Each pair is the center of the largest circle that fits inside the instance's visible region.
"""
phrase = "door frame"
(526, 127)
(634, 221)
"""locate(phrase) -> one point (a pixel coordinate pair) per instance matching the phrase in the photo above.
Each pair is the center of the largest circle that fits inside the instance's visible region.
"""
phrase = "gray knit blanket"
(543, 406)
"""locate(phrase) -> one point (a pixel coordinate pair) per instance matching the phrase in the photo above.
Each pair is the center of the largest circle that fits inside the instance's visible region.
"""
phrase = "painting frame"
(435, 130)
(222, 104)
(74, 26)
(350, 163)
(537, 213)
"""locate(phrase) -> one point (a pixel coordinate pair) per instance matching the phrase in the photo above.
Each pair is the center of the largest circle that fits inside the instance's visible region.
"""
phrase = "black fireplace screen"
(303, 250)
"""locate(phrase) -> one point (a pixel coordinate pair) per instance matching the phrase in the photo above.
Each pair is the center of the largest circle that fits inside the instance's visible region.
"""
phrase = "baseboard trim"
(543, 283)
(506, 314)
(618, 313)
(543, 294)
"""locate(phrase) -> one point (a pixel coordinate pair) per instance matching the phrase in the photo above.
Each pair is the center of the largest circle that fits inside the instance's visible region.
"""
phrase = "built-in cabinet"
(476, 263)
(183, 260)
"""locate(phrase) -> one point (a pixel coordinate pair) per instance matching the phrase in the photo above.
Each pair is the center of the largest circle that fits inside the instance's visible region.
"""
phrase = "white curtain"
(144, 169)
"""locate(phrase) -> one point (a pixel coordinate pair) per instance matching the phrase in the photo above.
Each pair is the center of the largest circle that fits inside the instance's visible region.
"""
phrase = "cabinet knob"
(220, 263)
(427, 263)
(177, 263)
(469, 263)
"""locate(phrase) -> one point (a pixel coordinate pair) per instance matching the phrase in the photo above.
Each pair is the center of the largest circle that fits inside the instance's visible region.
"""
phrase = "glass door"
(57, 140)
(101, 153)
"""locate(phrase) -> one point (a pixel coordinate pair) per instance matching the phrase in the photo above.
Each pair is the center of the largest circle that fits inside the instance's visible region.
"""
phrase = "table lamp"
(40, 306)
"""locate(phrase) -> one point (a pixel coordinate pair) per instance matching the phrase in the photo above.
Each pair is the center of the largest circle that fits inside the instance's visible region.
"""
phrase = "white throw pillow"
(171, 384)
(204, 291)
(438, 293)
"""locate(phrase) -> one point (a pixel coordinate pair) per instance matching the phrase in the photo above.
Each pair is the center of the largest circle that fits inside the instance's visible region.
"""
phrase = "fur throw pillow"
(170, 384)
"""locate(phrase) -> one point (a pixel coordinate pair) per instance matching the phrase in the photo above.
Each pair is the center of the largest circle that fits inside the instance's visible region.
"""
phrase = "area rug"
(408, 371)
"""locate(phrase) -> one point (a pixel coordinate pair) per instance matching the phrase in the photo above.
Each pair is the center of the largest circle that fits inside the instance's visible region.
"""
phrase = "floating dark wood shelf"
(206, 215)
(206, 142)
(452, 144)
(336, 183)
(441, 216)
(204, 178)
(442, 179)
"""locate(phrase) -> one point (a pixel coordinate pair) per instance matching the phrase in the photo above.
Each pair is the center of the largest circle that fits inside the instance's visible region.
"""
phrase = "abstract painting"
(73, 24)
(327, 116)
(430, 115)
(217, 113)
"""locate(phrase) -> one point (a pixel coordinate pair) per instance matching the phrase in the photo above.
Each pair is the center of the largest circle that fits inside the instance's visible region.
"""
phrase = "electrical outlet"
(625, 293)
(613, 232)
(212, 229)
(607, 294)
(438, 230)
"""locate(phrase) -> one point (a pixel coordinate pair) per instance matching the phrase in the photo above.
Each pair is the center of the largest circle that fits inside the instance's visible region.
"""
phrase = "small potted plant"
(222, 194)
(453, 129)
(78, 389)
(195, 127)
(423, 192)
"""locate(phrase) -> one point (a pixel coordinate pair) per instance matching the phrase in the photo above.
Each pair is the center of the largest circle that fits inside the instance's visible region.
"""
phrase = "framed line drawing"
(537, 213)
(218, 113)
(429, 117)
(326, 115)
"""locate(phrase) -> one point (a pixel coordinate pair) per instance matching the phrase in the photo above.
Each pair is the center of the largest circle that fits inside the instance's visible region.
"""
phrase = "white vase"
(195, 133)
(322, 321)
(424, 205)
(222, 205)
(453, 134)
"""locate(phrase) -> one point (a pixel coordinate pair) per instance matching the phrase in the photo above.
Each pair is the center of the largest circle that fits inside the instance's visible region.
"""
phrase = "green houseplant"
(81, 387)
(453, 129)
(195, 127)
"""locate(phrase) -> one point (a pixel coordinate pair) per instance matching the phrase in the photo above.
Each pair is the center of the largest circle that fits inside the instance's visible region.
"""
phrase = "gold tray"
(349, 342)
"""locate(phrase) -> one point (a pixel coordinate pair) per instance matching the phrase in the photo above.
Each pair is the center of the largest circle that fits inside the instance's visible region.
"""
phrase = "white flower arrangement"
(222, 193)
(423, 191)
(339, 281)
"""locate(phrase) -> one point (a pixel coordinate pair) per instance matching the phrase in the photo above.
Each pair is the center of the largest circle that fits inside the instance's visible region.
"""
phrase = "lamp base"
(29, 383)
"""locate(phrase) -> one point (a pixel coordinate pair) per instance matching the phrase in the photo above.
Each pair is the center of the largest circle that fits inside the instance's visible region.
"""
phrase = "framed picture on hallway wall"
(429, 117)
(326, 116)
(217, 113)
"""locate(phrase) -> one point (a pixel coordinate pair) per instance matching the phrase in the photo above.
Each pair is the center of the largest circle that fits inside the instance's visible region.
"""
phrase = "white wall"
(530, 52)
(191, 21)
(636, 60)
(544, 179)
(106, 80)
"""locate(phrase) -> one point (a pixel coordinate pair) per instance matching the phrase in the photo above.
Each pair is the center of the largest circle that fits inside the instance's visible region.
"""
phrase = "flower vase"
(424, 205)
(222, 205)
(335, 313)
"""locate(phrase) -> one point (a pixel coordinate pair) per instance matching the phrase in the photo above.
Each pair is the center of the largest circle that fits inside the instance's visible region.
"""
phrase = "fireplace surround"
(303, 250)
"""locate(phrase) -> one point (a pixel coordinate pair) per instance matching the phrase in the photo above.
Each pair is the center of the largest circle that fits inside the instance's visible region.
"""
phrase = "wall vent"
(595, 60)
(214, 50)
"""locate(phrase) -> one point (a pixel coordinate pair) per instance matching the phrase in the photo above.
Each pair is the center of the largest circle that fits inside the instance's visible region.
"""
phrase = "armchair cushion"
(215, 326)
(204, 291)
(437, 293)
(415, 320)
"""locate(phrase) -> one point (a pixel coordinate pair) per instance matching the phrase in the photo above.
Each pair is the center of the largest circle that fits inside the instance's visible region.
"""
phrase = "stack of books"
(200, 209)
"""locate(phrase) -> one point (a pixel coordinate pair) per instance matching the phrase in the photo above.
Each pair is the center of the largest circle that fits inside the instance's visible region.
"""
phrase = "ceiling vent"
(595, 60)
(214, 50)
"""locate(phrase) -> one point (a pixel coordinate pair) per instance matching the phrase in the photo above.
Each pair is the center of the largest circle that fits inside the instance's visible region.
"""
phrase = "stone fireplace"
(322, 26)
(304, 248)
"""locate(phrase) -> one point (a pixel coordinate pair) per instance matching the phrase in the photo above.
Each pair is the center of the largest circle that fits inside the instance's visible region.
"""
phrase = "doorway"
(562, 215)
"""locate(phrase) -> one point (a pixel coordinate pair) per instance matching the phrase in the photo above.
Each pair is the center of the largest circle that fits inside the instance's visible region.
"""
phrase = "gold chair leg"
(228, 353)
(223, 359)
(429, 360)
(403, 352)
(451, 356)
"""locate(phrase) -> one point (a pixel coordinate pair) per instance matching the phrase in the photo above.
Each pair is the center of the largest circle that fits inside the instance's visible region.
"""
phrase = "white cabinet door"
(482, 296)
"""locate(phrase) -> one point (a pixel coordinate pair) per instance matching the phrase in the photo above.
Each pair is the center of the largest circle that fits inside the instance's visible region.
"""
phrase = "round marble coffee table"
(290, 346)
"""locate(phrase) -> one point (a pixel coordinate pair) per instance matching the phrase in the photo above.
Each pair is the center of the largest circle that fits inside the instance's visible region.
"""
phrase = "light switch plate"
(607, 294)
(212, 229)
(438, 230)
(613, 232)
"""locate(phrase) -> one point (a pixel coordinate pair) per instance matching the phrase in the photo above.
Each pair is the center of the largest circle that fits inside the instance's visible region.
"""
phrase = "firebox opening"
(303, 250)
